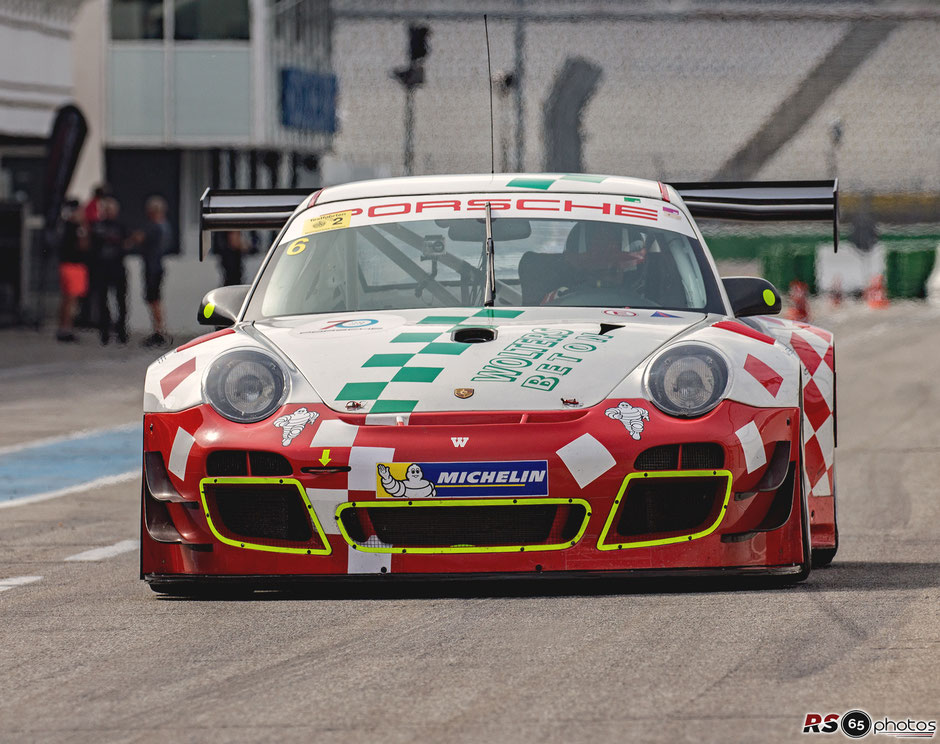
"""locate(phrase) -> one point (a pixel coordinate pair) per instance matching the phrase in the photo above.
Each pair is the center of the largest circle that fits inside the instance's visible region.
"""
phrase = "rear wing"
(764, 200)
(246, 209)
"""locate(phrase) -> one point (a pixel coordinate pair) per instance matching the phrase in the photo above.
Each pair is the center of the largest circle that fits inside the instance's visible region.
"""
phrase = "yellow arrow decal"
(325, 457)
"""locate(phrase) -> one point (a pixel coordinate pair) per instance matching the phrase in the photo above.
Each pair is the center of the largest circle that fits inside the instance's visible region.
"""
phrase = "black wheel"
(822, 557)
(807, 564)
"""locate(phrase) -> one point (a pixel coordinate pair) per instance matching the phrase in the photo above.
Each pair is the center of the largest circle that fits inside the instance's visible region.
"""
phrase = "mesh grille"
(269, 463)
(262, 513)
(226, 463)
(694, 456)
(702, 456)
(464, 526)
(668, 505)
(665, 457)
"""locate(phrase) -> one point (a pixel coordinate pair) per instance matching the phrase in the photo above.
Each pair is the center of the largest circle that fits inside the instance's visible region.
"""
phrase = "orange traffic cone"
(875, 295)
(798, 298)
(835, 294)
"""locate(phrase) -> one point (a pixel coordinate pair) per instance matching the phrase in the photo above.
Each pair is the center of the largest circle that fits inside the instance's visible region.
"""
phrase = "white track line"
(98, 554)
(108, 480)
(131, 427)
(17, 581)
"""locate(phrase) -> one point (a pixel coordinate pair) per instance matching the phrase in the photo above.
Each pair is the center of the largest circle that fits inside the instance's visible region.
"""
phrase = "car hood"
(410, 360)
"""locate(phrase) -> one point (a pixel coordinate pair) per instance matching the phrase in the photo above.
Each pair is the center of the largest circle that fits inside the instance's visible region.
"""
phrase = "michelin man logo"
(632, 418)
(414, 486)
(294, 423)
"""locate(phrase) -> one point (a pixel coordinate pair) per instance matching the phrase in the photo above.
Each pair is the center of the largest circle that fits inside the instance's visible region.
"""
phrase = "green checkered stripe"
(527, 182)
(394, 366)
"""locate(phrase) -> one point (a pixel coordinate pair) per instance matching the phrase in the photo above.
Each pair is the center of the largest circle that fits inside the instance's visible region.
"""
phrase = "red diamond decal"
(764, 374)
(815, 462)
(824, 335)
(169, 383)
(805, 352)
(815, 406)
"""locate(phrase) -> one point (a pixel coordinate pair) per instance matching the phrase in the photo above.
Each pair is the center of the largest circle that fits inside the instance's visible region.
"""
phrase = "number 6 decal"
(298, 246)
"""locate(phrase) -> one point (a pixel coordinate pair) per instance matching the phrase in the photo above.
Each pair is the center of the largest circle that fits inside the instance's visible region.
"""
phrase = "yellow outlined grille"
(623, 545)
(222, 481)
(506, 503)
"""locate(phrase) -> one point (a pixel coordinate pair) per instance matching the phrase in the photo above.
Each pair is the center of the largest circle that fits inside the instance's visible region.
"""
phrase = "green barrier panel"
(782, 264)
(907, 269)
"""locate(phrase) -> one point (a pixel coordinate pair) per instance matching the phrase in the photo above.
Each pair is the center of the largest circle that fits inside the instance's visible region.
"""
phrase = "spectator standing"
(231, 248)
(87, 315)
(73, 270)
(108, 240)
(153, 243)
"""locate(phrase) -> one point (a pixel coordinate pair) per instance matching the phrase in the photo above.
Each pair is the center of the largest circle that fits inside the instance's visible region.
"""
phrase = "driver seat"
(541, 273)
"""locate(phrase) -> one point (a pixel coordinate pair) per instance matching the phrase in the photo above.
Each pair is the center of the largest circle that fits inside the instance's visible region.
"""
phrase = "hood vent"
(474, 335)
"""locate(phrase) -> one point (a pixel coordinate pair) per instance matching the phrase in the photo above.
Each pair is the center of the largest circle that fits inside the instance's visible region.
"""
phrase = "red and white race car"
(503, 375)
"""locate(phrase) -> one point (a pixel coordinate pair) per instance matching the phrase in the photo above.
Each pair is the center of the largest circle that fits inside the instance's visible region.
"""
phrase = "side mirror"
(220, 306)
(751, 295)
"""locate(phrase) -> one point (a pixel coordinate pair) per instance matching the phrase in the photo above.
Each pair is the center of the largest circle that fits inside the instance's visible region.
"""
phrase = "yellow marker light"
(769, 297)
(208, 310)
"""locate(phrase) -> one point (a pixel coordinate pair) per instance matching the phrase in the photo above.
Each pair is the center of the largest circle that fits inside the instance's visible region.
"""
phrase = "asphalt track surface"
(88, 653)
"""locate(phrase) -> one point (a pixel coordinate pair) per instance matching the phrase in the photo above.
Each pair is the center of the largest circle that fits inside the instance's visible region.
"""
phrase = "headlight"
(687, 380)
(245, 385)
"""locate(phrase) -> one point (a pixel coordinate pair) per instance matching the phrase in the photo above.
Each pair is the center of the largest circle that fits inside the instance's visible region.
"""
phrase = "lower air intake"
(666, 505)
(444, 526)
(261, 513)
(687, 456)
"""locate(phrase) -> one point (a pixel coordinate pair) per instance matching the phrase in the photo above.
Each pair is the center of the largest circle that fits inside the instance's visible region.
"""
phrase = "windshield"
(378, 256)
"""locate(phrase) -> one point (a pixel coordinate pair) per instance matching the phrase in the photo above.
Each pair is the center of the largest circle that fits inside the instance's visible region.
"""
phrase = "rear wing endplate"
(764, 200)
(246, 209)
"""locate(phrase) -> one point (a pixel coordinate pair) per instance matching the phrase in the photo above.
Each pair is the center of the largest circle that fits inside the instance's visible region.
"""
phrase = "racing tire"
(822, 557)
(807, 564)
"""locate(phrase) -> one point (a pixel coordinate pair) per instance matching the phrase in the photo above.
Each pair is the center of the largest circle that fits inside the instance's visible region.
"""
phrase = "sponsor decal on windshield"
(539, 205)
(333, 221)
(424, 480)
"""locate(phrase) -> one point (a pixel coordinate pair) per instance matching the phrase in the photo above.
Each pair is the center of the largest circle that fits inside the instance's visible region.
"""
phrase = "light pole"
(411, 77)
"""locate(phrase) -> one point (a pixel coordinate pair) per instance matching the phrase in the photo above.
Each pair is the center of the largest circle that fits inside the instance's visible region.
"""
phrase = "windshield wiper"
(489, 296)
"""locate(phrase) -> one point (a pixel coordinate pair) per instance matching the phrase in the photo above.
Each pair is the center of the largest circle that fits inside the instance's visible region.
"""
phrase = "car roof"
(531, 183)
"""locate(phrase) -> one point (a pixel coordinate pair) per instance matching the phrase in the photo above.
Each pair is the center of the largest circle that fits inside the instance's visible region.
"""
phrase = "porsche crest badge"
(463, 392)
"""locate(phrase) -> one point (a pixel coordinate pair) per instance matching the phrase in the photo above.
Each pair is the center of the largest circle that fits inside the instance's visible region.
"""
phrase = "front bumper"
(326, 513)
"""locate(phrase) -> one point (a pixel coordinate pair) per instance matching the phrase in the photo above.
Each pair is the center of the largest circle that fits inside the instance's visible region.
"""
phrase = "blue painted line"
(51, 466)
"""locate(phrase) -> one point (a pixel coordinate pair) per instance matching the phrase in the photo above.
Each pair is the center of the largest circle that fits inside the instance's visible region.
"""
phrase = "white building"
(178, 95)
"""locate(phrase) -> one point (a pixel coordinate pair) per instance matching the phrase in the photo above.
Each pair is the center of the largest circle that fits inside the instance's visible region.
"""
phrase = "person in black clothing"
(231, 248)
(108, 239)
(153, 243)
(73, 270)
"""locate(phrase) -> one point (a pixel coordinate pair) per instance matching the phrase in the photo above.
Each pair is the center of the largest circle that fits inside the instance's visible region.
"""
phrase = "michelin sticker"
(632, 418)
(294, 423)
(424, 480)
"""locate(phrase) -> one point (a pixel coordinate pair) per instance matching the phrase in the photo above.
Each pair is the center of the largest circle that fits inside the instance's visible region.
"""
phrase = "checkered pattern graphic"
(415, 357)
(545, 183)
(816, 351)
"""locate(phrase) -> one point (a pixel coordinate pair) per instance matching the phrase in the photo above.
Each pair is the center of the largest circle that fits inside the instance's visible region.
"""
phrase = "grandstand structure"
(694, 91)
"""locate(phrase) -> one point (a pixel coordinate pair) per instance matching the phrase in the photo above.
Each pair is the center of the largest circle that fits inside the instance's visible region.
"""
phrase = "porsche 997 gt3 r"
(492, 375)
